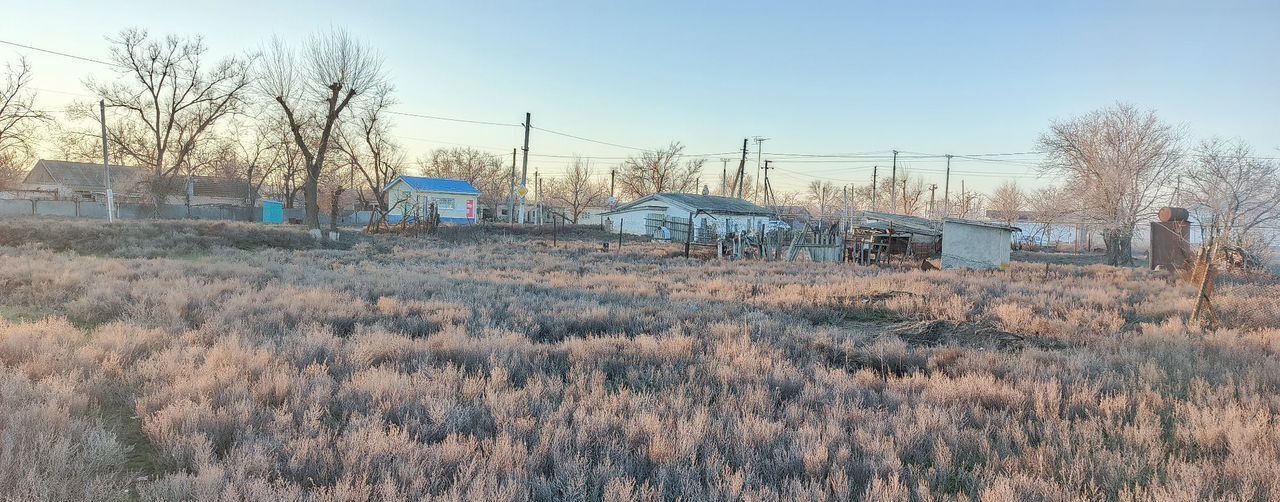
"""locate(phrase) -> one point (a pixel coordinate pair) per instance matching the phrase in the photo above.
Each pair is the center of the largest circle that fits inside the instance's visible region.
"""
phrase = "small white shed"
(978, 245)
(713, 215)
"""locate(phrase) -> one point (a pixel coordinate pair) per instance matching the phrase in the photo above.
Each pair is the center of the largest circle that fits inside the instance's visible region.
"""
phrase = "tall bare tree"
(822, 199)
(19, 120)
(660, 170)
(1240, 191)
(483, 170)
(578, 189)
(1007, 202)
(1120, 161)
(372, 154)
(313, 89)
(171, 101)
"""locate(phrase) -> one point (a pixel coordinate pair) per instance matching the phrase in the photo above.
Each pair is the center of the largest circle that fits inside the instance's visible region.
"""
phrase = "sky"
(965, 78)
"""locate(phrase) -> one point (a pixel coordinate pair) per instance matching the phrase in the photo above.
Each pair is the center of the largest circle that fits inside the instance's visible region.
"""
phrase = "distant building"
(457, 201)
(68, 180)
(712, 215)
(593, 215)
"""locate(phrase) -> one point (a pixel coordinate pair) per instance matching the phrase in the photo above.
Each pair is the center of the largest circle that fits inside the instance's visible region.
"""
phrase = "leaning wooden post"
(620, 222)
(688, 236)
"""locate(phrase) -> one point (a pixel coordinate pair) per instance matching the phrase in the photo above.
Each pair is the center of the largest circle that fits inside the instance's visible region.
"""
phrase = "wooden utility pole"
(511, 201)
(742, 170)
(946, 190)
(537, 195)
(612, 174)
(767, 189)
(524, 166)
(874, 173)
(893, 185)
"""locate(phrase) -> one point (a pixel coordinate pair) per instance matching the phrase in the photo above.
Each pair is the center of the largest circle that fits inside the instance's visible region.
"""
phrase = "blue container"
(272, 212)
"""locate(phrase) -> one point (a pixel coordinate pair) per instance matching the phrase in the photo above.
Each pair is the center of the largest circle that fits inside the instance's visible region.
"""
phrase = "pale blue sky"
(934, 77)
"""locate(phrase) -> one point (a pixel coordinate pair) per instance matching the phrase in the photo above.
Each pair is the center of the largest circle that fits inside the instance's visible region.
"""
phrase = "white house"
(711, 215)
(977, 245)
(457, 201)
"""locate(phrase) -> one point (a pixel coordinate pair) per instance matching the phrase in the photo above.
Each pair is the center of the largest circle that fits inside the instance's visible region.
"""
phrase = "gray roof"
(900, 222)
(81, 175)
(979, 223)
(90, 176)
(708, 203)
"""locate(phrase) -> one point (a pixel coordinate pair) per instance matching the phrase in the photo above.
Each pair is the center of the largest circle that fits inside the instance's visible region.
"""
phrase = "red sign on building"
(471, 208)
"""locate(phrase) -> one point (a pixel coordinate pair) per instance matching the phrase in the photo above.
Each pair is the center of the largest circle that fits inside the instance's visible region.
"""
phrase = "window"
(445, 203)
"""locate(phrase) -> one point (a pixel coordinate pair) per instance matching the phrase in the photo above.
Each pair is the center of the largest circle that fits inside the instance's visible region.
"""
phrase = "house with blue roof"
(457, 201)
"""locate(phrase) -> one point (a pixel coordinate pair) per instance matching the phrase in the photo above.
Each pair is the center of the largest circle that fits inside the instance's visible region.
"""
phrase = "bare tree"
(482, 169)
(18, 121)
(1120, 159)
(172, 101)
(578, 189)
(373, 156)
(822, 198)
(1049, 206)
(313, 89)
(1238, 190)
(910, 193)
(660, 170)
(1007, 202)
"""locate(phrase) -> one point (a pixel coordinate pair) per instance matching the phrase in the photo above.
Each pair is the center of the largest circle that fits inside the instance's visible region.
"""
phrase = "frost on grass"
(492, 368)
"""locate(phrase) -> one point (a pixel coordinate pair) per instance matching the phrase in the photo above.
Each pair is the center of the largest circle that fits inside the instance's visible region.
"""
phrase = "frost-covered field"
(224, 361)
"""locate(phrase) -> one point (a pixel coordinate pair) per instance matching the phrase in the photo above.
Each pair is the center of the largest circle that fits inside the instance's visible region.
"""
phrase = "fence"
(98, 210)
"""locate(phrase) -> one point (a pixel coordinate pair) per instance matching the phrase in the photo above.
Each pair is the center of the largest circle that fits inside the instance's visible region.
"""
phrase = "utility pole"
(964, 199)
(111, 199)
(742, 170)
(759, 149)
(874, 172)
(946, 190)
(893, 185)
(537, 195)
(724, 176)
(933, 187)
(524, 167)
(511, 201)
(767, 188)
(612, 174)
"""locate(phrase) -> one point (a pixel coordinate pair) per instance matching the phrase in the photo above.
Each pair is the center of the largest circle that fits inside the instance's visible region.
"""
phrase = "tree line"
(308, 123)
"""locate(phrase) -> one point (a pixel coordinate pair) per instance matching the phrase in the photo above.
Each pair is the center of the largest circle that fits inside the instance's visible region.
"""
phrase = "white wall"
(974, 246)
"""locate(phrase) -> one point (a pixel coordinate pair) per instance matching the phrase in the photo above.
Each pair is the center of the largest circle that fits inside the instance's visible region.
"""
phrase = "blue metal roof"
(439, 185)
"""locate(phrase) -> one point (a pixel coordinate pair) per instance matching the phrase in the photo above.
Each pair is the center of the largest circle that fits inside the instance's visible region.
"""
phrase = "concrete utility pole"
(933, 187)
(946, 190)
(511, 201)
(111, 199)
(742, 170)
(893, 185)
(874, 172)
(724, 176)
(524, 167)
(759, 149)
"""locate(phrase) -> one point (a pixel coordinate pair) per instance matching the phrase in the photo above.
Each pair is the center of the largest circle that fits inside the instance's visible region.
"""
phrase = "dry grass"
(492, 366)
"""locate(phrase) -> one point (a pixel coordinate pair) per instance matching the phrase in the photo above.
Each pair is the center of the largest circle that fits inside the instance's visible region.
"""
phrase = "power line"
(452, 119)
(567, 135)
(63, 54)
